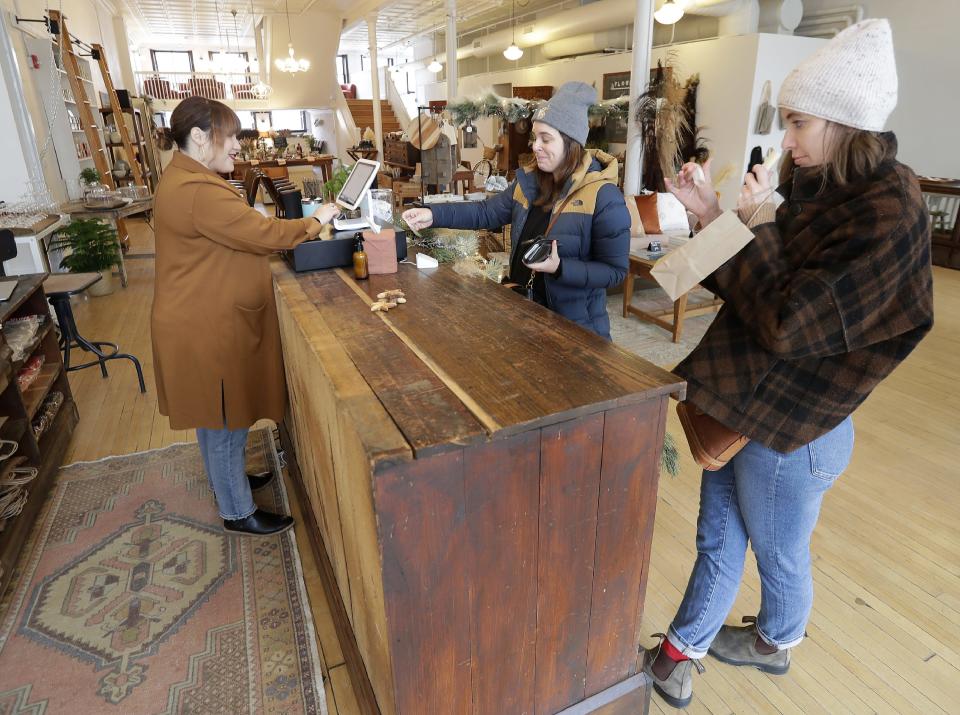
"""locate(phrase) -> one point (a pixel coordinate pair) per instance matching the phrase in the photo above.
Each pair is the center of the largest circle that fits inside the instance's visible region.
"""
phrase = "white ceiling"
(179, 23)
(404, 18)
(206, 22)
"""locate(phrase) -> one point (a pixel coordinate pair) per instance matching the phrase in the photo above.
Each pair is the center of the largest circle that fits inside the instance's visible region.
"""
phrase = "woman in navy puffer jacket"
(576, 189)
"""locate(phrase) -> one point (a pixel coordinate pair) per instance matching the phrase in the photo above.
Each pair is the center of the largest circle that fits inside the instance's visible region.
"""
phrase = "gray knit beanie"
(851, 80)
(567, 110)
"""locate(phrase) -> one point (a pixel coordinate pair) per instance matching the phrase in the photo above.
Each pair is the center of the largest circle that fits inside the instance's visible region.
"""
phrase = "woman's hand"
(756, 191)
(418, 219)
(550, 265)
(326, 213)
(696, 192)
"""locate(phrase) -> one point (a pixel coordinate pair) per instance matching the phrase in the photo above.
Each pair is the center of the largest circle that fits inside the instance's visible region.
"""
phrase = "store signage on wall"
(616, 84)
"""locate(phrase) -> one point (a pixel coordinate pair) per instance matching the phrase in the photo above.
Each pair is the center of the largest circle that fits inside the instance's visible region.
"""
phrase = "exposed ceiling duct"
(596, 26)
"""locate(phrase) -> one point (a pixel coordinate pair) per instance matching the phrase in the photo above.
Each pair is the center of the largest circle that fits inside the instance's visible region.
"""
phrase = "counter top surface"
(465, 360)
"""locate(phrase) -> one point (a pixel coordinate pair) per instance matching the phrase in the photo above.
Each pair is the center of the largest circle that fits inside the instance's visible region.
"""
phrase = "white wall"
(14, 177)
(316, 35)
(928, 64)
(732, 72)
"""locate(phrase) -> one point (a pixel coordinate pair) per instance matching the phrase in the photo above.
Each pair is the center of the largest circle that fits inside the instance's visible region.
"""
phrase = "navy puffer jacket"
(592, 234)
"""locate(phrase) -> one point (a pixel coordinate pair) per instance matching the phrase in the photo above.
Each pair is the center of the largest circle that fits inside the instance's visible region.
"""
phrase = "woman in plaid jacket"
(833, 292)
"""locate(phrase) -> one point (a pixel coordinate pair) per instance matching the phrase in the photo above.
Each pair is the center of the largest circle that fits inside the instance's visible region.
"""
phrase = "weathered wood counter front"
(483, 475)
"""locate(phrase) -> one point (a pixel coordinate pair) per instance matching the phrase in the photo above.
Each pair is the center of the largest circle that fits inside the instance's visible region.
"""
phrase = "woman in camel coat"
(216, 338)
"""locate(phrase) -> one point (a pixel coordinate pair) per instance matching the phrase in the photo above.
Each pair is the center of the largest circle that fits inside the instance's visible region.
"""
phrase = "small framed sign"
(616, 84)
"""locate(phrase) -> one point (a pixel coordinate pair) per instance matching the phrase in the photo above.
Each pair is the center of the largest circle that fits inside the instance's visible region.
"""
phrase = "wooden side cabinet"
(21, 408)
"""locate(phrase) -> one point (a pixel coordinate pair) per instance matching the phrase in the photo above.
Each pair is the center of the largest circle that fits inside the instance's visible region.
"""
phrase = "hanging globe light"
(513, 52)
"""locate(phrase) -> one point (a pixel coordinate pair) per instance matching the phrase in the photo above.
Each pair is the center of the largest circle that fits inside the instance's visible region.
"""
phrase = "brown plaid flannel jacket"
(819, 308)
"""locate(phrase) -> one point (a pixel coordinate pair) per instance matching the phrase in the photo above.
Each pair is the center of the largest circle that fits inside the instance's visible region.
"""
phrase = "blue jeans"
(773, 500)
(224, 453)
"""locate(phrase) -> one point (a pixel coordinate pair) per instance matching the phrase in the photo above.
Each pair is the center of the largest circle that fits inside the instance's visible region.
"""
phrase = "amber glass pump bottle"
(360, 271)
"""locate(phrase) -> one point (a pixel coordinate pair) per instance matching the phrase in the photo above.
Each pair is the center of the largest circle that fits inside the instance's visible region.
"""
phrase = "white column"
(125, 70)
(639, 77)
(451, 50)
(375, 81)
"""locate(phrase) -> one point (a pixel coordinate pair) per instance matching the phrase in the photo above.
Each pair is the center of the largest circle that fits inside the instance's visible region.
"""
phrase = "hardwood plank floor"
(885, 628)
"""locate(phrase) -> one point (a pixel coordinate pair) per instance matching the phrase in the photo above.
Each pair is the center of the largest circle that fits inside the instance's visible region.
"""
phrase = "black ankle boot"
(259, 480)
(259, 523)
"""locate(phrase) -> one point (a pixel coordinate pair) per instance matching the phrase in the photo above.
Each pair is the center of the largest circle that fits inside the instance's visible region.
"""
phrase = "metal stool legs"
(70, 338)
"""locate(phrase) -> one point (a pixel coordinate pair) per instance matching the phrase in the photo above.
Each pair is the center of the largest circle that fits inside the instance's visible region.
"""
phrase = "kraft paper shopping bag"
(681, 270)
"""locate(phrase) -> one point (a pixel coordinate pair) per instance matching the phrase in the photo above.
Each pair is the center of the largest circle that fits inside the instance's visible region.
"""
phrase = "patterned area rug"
(652, 342)
(130, 598)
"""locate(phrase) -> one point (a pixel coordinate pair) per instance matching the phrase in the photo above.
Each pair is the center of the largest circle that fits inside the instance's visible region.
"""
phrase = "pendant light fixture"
(669, 13)
(291, 64)
(260, 89)
(434, 65)
(513, 52)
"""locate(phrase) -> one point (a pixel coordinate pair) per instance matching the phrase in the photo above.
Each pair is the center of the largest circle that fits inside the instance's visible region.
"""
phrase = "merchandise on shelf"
(30, 372)
(47, 413)
(20, 333)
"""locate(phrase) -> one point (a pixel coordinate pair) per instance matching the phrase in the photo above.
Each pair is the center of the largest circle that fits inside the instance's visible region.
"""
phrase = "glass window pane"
(246, 120)
(169, 61)
(288, 119)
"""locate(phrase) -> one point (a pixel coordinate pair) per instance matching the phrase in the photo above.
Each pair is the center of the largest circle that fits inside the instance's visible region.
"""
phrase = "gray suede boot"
(677, 688)
(735, 645)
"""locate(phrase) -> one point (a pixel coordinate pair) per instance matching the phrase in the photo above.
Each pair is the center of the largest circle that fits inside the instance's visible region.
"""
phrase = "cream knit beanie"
(852, 80)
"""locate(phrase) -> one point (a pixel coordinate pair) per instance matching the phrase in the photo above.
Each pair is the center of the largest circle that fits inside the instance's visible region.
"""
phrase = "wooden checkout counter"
(481, 478)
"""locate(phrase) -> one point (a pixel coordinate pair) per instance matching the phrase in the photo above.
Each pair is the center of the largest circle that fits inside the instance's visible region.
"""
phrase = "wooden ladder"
(69, 60)
(118, 119)
(90, 127)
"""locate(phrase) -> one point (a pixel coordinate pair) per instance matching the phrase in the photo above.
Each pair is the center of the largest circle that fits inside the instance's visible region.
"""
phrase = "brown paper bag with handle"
(682, 269)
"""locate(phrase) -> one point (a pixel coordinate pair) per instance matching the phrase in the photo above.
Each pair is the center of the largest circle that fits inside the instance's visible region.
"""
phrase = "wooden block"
(421, 509)
(502, 502)
(569, 481)
(627, 506)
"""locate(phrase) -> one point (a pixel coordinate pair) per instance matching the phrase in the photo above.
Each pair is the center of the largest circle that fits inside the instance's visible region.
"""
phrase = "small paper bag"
(682, 269)
(766, 112)
(381, 250)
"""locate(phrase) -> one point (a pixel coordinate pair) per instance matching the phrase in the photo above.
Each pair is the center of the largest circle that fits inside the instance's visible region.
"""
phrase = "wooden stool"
(59, 287)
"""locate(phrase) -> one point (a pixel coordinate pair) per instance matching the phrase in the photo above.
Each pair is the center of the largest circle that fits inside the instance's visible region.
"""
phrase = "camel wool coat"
(216, 337)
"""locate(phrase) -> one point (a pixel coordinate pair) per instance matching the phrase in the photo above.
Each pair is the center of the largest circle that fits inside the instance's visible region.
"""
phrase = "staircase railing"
(398, 101)
(348, 134)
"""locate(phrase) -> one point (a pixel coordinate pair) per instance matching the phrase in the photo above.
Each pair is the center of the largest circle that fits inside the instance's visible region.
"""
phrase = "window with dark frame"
(292, 119)
(344, 69)
(172, 60)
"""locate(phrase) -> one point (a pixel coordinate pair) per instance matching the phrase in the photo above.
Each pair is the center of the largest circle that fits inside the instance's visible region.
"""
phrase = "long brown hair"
(851, 154)
(552, 183)
(207, 114)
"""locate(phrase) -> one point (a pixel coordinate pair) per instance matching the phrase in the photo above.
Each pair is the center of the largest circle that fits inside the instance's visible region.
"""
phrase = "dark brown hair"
(850, 154)
(552, 183)
(207, 114)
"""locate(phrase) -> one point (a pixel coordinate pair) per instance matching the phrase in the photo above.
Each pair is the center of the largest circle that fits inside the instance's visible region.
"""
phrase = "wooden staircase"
(362, 111)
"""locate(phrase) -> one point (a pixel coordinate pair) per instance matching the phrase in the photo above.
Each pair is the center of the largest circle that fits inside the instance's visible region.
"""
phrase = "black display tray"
(336, 252)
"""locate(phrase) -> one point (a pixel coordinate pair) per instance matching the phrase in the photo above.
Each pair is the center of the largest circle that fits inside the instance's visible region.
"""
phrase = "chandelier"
(290, 63)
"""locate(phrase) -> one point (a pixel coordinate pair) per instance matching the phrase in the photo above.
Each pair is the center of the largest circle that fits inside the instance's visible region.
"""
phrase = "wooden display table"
(640, 267)
(944, 194)
(481, 475)
(278, 169)
(356, 153)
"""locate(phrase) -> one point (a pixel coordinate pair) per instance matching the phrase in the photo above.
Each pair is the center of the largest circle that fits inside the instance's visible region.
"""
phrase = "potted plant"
(336, 182)
(89, 177)
(93, 248)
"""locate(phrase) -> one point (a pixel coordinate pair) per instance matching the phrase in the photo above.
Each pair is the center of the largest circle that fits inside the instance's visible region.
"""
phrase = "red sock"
(672, 653)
